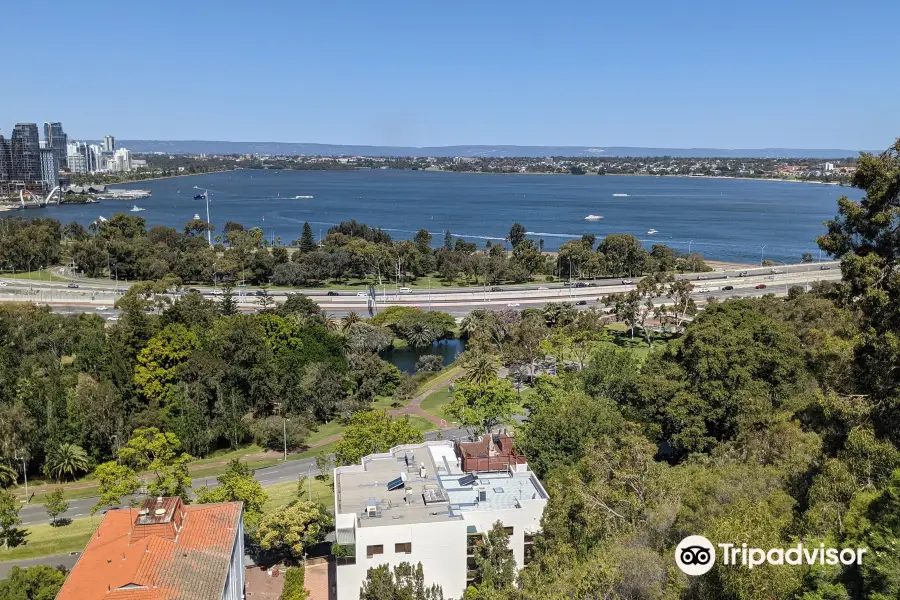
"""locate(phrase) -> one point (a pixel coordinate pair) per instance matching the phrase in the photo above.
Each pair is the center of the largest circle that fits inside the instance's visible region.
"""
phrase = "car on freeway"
(775, 271)
(568, 283)
(513, 305)
(761, 286)
(405, 290)
(331, 293)
(727, 288)
(701, 277)
(101, 308)
(743, 274)
(581, 303)
(217, 292)
(592, 284)
(704, 290)
(539, 287)
(72, 285)
(112, 319)
(362, 294)
(824, 268)
(581, 284)
(627, 282)
(496, 289)
(260, 293)
(3, 284)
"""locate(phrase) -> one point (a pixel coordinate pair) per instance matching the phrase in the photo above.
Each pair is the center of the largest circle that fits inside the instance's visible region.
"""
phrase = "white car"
(704, 290)
(101, 308)
(112, 319)
(513, 305)
(627, 282)
(543, 288)
(405, 290)
(362, 294)
(3, 284)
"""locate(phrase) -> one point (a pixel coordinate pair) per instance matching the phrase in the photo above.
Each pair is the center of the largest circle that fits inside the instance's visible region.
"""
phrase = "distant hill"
(282, 148)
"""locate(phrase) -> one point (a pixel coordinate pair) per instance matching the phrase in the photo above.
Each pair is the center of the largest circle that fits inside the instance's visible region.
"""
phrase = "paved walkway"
(57, 560)
(414, 406)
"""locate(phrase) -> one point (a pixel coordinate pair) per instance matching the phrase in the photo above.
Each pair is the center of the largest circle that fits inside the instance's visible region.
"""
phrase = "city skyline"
(656, 75)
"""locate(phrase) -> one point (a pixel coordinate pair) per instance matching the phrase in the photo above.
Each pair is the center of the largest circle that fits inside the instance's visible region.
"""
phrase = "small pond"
(405, 358)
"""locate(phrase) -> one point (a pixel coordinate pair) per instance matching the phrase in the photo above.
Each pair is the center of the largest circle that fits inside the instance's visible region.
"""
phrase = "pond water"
(405, 358)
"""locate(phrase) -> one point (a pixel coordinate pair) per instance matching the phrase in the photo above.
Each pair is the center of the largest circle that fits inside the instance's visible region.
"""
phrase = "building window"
(403, 548)
(508, 530)
(373, 550)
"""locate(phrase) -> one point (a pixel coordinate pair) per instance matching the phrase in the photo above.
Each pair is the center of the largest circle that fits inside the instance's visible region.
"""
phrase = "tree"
(274, 433)
(159, 453)
(115, 481)
(9, 520)
(324, 466)
(39, 582)
(863, 235)
(8, 476)
(495, 565)
(480, 367)
(406, 583)
(55, 504)
(429, 363)
(237, 484)
(158, 363)
(307, 241)
(299, 304)
(294, 586)
(371, 432)
(525, 345)
(288, 531)
(516, 234)
(229, 305)
(65, 460)
(481, 407)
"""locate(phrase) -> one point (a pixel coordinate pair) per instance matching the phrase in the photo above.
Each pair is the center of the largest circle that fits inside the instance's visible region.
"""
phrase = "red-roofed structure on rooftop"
(163, 550)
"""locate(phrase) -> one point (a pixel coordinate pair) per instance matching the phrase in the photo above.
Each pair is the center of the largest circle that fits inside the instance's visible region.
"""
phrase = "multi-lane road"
(92, 295)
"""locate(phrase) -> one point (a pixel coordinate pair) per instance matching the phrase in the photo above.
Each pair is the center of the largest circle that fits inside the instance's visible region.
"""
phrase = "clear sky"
(662, 73)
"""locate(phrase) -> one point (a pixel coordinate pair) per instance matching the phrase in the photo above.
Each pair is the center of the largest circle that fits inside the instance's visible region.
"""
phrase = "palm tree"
(349, 320)
(8, 476)
(480, 367)
(65, 461)
(331, 323)
(472, 322)
(419, 335)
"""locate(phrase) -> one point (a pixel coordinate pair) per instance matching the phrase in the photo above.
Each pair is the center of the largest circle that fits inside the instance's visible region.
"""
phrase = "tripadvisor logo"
(696, 555)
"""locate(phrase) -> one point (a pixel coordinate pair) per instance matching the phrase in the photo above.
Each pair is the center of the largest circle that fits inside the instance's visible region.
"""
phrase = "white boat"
(101, 219)
(137, 208)
(593, 218)
(620, 195)
(652, 232)
(302, 197)
(196, 217)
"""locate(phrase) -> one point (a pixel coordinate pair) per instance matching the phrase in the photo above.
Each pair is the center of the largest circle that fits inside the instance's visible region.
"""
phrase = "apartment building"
(432, 503)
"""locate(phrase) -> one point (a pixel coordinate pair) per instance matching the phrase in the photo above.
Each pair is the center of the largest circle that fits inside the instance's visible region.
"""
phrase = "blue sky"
(792, 73)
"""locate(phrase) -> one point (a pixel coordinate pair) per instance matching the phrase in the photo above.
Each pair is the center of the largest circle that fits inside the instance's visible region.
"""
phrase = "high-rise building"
(49, 168)
(95, 157)
(109, 144)
(57, 140)
(78, 157)
(25, 153)
(5, 161)
(123, 159)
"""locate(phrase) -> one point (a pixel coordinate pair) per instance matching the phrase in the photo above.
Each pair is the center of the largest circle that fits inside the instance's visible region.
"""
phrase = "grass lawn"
(46, 540)
(43, 275)
(435, 402)
(282, 494)
(421, 423)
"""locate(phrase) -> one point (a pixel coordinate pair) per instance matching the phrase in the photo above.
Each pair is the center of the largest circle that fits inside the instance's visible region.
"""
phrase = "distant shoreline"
(835, 183)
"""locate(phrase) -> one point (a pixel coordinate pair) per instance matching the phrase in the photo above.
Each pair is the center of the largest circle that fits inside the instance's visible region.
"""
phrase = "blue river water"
(725, 219)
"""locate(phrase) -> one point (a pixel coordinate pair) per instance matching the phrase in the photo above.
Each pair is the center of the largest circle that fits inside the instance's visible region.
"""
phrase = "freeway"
(34, 514)
(90, 295)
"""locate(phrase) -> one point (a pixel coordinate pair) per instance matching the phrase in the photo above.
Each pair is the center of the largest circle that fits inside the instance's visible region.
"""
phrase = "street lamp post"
(309, 481)
(284, 432)
(689, 246)
(761, 251)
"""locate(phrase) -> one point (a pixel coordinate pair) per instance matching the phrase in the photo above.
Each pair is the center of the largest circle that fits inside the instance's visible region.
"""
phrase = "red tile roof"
(119, 565)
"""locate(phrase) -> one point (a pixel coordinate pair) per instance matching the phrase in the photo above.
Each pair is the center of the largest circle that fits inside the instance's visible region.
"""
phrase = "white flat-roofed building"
(417, 504)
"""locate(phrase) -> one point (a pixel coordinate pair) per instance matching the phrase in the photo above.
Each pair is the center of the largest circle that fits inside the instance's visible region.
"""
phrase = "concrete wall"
(440, 547)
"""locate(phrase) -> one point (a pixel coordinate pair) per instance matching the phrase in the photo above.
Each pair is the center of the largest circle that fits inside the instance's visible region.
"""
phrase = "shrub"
(294, 588)
(270, 433)
(429, 362)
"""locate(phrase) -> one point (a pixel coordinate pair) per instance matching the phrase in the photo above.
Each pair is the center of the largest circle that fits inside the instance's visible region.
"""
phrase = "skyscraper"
(109, 144)
(56, 139)
(5, 161)
(25, 153)
(49, 168)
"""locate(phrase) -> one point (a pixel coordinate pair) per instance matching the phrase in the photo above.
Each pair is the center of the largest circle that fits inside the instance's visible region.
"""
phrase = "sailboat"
(136, 208)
